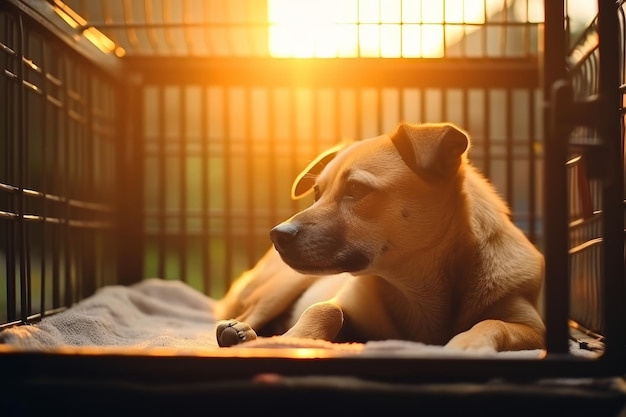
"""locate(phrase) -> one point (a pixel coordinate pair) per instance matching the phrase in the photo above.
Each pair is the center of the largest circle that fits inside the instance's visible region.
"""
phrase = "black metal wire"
(555, 195)
(21, 235)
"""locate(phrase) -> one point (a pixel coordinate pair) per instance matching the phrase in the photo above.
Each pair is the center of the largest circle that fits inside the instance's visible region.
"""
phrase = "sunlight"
(371, 28)
(93, 35)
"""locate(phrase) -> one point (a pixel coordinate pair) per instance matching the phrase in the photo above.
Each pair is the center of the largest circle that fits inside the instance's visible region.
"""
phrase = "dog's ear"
(304, 182)
(433, 151)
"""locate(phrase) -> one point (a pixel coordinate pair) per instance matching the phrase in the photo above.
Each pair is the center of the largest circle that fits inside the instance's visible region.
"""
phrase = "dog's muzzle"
(309, 252)
(283, 235)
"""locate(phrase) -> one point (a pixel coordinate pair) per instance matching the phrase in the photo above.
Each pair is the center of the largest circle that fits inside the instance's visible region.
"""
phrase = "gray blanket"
(155, 313)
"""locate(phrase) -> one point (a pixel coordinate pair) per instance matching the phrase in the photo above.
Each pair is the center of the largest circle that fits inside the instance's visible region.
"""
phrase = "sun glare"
(370, 28)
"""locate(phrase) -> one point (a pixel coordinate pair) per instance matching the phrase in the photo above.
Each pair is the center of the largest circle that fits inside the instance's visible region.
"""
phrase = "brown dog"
(405, 240)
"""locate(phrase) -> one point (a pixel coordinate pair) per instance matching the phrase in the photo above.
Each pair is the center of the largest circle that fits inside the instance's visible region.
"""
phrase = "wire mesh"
(57, 176)
(587, 178)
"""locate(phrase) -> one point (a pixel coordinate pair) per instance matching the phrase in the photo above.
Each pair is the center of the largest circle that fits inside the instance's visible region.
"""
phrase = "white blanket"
(155, 313)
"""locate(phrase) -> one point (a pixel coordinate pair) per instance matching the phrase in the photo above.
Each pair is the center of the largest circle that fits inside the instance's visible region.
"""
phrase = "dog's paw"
(233, 332)
(470, 342)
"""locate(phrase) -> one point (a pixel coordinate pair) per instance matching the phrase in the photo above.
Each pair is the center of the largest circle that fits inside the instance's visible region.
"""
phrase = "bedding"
(157, 316)
(156, 313)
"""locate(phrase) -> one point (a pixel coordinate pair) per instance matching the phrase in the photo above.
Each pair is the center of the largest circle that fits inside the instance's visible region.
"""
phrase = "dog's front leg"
(322, 320)
(515, 325)
(497, 335)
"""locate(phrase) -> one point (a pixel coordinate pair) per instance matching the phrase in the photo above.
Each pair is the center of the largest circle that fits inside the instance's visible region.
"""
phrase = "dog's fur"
(405, 240)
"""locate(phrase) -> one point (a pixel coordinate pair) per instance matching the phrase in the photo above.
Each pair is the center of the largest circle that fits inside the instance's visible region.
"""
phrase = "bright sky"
(387, 28)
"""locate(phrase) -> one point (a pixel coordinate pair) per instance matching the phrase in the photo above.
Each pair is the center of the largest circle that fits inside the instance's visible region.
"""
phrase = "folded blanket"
(156, 313)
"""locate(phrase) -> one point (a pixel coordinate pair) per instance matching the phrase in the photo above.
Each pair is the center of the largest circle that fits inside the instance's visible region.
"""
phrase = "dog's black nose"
(283, 234)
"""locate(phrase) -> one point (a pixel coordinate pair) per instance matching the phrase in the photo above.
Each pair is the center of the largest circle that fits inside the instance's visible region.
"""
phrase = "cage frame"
(221, 365)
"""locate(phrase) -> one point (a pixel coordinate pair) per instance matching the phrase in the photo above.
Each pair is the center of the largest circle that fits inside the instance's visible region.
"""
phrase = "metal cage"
(135, 143)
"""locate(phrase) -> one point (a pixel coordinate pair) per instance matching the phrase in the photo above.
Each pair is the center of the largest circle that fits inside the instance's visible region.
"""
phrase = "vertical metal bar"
(621, 12)
(13, 86)
(401, 92)
(358, 29)
(293, 146)
(380, 97)
(358, 95)
(87, 278)
(532, 167)
(401, 24)
(75, 190)
(250, 183)
(206, 17)
(526, 37)
(205, 238)
(444, 104)
(422, 98)
(130, 155)
(66, 178)
(183, 159)
(272, 149)
(232, 17)
(161, 212)
(485, 33)
(315, 106)
(504, 29)
(21, 173)
(487, 135)
(510, 146)
(337, 113)
(61, 131)
(555, 190)
(30, 95)
(465, 108)
(379, 23)
(82, 234)
(73, 246)
(150, 31)
(44, 178)
(613, 186)
(131, 34)
(188, 35)
(227, 156)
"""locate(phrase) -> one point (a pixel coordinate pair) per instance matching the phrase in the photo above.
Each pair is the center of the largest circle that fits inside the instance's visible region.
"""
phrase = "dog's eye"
(316, 193)
(356, 190)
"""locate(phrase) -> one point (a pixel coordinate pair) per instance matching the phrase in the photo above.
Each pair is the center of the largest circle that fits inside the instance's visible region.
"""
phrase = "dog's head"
(377, 201)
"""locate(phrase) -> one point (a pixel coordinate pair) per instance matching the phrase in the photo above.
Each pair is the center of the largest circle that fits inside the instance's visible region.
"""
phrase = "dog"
(407, 240)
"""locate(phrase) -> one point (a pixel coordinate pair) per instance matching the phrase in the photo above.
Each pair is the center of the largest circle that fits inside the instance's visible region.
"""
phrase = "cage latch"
(568, 114)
